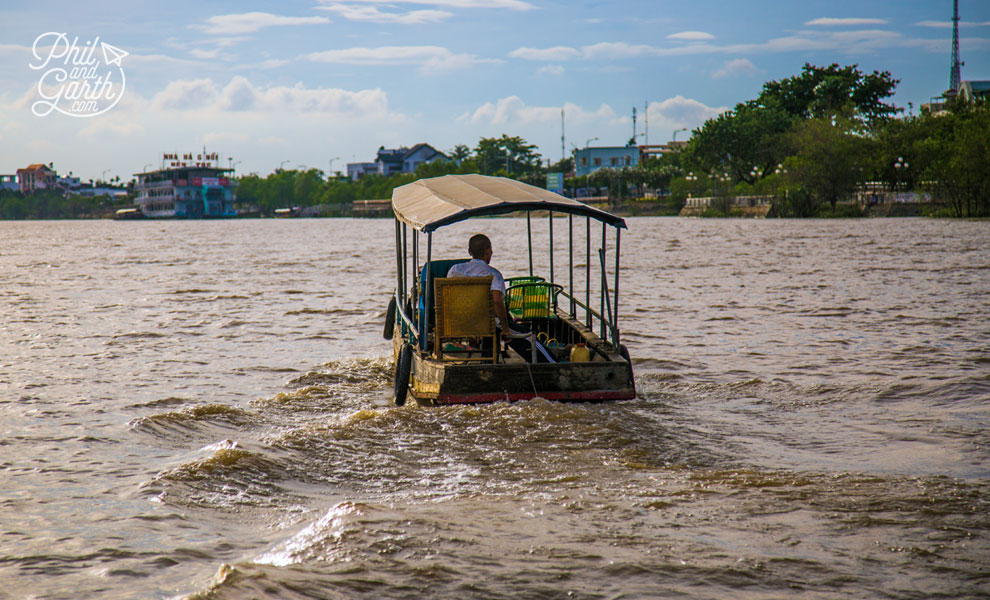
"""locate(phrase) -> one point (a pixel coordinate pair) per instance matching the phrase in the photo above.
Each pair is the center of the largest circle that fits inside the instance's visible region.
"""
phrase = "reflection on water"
(202, 408)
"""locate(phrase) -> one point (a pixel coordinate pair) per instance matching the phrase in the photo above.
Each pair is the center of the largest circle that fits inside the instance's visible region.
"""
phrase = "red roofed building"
(36, 177)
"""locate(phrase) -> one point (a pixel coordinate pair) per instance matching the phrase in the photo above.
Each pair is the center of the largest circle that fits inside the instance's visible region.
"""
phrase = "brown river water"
(202, 409)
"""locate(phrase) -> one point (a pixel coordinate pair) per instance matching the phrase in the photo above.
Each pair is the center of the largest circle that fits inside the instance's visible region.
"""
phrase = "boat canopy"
(428, 204)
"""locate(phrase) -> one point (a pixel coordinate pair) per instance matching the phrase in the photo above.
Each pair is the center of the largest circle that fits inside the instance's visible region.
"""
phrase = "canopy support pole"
(529, 239)
(405, 260)
(400, 260)
(604, 280)
(615, 305)
(570, 260)
(551, 246)
(426, 292)
(587, 270)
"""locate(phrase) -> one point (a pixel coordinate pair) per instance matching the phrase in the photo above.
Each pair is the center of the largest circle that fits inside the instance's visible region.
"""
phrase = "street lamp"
(588, 143)
(282, 163)
(780, 170)
(330, 172)
(898, 166)
(679, 130)
(692, 178)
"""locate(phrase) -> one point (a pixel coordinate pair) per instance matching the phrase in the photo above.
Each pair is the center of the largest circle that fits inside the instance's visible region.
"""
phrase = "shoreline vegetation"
(821, 144)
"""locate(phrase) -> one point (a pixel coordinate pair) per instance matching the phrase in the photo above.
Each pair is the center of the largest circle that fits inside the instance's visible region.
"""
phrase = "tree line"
(52, 204)
(813, 139)
(809, 141)
(506, 156)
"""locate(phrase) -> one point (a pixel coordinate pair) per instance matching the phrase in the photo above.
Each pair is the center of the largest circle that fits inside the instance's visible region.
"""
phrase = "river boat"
(446, 348)
(187, 186)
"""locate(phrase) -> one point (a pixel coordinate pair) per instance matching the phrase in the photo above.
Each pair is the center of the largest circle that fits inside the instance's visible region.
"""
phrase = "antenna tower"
(954, 75)
(634, 126)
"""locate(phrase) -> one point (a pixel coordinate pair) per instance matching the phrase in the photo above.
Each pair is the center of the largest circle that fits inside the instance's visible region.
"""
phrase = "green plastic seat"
(532, 300)
(511, 281)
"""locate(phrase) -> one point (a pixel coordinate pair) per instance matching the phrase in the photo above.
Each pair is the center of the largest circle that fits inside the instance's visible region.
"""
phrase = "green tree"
(460, 153)
(738, 140)
(307, 187)
(827, 160)
(825, 92)
(958, 162)
(512, 155)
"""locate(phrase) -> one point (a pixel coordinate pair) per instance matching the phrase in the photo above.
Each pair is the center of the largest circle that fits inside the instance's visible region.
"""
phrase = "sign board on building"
(555, 182)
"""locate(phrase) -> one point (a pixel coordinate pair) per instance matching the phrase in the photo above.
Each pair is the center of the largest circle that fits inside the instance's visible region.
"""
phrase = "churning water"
(202, 408)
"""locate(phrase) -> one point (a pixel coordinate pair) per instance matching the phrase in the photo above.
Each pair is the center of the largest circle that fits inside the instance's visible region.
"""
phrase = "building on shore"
(589, 159)
(9, 183)
(36, 177)
(392, 161)
(188, 186)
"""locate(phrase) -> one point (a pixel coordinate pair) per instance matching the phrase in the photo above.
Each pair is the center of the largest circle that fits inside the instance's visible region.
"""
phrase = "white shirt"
(478, 268)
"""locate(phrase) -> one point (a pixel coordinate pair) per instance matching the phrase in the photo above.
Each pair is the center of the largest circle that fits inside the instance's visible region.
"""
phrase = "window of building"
(613, 161)
(584, 161)
(598, 161)
(628, 160)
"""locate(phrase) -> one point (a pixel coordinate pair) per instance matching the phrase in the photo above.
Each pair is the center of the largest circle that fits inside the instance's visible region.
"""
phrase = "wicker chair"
(465, 311)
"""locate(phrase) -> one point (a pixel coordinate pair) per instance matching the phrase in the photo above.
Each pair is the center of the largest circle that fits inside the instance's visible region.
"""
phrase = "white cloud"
(430, 59)
(186, 95)
(948, 24)
(205, 54)
(862, 40)
(691, 36)
(554, 70)
(845, 22)
(372, 14)
(112, 127)
(679, 112)
(557, 53)
(252, 22)
(607, 50)
(513, 111)
(241, 96)
(737, 66)
(506, 4)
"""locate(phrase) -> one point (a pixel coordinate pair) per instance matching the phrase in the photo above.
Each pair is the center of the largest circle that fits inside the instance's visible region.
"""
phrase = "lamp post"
(280, 165)
(780, 170)
(691, 177)
(676, 131)
(899, 166)
(330, 172)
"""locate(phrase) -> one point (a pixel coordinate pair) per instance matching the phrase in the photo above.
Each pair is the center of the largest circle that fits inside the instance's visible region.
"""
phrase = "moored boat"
(446, 345)
(187, 186)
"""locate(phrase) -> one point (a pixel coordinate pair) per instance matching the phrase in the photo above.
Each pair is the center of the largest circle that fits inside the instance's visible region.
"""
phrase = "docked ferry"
(187, 186)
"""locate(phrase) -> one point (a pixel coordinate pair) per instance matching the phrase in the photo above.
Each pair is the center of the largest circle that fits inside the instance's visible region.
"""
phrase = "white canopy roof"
(428, 204)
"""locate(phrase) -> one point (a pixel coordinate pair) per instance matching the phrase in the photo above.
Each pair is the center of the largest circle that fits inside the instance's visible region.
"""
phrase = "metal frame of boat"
(426, 205)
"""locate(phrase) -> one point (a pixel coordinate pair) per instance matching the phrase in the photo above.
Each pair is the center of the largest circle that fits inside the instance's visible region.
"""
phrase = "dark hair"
(478, 245)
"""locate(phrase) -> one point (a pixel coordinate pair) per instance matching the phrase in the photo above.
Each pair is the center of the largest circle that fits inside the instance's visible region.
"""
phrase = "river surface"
(202, 409)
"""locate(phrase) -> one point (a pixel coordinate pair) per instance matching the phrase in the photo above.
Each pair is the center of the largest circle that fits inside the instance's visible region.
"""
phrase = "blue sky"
(301, 83)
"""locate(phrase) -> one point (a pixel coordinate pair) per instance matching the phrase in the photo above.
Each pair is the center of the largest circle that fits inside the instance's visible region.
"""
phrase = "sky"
(321, 83)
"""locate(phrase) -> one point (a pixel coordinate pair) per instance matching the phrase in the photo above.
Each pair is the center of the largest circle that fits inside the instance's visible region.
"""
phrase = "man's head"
(480, 247)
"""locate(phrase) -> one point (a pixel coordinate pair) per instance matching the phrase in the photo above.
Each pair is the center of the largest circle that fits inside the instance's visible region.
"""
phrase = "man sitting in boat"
(480, 249)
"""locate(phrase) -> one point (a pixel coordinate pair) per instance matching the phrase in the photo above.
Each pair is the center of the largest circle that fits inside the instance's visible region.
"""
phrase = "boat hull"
(434, 382)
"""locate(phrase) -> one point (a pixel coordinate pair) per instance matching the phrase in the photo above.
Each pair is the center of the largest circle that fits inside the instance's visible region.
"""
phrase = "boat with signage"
(446, 345)
(187, 186)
